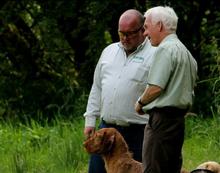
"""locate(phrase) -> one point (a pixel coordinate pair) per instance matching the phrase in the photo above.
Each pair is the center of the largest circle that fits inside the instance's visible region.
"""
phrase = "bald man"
(120, 78)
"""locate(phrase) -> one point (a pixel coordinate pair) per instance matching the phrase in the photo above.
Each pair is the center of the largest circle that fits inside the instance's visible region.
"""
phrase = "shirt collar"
(169, 37)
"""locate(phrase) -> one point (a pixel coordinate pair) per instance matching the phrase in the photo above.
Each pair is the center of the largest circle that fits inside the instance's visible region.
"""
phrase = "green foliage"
(49, 50)
(37, 63)
(208, 100)
(57, 148)
(42, 149)
(201, 141)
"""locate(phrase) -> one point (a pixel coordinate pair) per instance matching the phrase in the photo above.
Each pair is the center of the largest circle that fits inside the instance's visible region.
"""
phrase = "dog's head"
(101, 141)
(201, 171)
(209, 166)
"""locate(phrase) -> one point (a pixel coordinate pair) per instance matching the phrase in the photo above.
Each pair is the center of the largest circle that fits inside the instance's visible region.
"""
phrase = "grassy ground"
(37, 149)
(58, 148)
(202, 141)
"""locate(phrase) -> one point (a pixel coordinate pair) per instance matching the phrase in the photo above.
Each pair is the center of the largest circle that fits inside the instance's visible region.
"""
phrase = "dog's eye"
(99, 138)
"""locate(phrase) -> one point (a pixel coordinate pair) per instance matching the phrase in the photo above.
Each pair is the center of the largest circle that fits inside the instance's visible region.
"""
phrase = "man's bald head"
(132, 15)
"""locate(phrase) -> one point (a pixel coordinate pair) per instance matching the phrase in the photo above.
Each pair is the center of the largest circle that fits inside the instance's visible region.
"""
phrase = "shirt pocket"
(141, 74)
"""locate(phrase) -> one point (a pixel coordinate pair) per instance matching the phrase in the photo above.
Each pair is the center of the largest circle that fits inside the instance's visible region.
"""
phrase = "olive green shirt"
(175, 71)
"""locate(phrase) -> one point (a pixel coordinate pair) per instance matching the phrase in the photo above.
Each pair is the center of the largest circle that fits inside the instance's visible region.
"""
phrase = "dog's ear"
(112, 138)
(108, 141)
(111, 141)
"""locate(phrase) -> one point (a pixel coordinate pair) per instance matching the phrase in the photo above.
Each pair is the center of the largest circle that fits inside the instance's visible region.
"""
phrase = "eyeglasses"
(129, 34)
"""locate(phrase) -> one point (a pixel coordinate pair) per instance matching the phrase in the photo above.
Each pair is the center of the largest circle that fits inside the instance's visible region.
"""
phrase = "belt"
(169, 110)
(130, 125)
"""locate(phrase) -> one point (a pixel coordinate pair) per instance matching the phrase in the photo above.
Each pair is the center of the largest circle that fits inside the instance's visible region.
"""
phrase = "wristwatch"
(140, 102)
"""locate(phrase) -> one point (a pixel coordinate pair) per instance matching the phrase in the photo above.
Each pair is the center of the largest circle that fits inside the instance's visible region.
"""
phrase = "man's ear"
(160, 26)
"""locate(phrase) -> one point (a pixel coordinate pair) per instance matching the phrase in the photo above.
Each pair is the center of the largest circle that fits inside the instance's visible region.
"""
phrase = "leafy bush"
(207, 100)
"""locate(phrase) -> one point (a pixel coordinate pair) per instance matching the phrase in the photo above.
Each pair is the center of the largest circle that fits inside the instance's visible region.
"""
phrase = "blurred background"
(49, 49)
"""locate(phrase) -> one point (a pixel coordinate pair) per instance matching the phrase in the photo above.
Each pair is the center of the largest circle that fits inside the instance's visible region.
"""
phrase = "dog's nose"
(84, 143)
(85, 146)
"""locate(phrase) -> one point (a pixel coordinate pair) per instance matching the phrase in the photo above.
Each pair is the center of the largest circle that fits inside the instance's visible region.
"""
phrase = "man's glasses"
(129, 34)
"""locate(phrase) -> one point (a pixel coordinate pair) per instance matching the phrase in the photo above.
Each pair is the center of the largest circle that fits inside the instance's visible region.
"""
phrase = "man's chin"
(153, 44)
(130, 50)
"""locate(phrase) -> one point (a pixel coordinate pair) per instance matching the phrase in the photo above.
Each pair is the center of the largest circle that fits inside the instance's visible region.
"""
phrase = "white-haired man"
(169, 94)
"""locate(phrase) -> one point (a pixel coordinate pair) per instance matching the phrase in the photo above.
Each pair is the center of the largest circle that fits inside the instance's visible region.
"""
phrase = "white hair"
(166, 15)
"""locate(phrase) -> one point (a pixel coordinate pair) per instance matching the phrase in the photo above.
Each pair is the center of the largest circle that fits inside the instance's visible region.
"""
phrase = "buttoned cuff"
(90, 121)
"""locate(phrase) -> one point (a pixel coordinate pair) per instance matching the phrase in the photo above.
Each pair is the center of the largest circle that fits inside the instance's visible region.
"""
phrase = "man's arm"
(150, 94)
(94, 104)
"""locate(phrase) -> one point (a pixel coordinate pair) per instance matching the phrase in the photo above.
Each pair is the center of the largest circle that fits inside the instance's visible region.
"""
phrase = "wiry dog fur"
(210, 165)
(109, 143)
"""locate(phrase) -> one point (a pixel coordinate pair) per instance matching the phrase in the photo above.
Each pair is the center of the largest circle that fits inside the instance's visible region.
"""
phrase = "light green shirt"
(175, 71)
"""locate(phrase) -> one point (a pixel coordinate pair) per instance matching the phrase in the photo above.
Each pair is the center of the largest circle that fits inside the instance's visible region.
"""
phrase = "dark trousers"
(133, 135)
(163, 140)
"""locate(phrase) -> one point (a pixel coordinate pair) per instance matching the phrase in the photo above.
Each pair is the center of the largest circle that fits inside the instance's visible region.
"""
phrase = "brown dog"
(210, 165)
(109, 143)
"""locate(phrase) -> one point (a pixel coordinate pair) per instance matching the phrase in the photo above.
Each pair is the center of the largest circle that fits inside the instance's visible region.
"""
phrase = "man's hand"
(89, 131)
(138, 108)
(150, 93)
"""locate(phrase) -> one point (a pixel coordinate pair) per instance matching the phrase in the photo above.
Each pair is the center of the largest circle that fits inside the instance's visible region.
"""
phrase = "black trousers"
(163, 140)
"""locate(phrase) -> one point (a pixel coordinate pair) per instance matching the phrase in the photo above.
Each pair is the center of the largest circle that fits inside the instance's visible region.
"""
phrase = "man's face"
(152, 31)
(131, 36)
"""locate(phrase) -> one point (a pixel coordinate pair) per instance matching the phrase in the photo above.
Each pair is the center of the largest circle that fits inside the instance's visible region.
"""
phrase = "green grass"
(38, 149)
(202, 141)
(58, 148)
